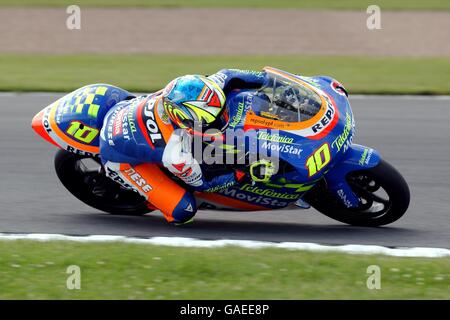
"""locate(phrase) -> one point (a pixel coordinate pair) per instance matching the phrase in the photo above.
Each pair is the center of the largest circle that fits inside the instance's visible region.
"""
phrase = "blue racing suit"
(139, 144)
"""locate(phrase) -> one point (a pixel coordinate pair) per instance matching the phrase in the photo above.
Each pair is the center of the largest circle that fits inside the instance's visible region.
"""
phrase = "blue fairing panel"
(356, 158)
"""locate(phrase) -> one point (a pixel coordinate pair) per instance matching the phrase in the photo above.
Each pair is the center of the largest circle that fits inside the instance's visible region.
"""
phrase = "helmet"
(194, 101)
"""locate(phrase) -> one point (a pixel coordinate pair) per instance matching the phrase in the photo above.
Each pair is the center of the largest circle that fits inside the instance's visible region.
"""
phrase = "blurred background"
(50, 46)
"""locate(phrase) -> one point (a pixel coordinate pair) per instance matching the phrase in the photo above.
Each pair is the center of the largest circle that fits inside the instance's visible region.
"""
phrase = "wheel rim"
(90, 175)
(373, 197)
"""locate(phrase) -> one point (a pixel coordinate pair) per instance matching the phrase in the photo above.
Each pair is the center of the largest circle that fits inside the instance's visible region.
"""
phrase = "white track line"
(197, 243)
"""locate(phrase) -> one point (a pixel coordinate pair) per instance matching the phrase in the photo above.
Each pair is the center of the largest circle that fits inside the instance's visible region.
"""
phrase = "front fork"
(356, 158)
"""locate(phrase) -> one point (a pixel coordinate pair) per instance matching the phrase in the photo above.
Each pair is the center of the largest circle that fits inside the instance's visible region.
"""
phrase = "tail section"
(73, 122)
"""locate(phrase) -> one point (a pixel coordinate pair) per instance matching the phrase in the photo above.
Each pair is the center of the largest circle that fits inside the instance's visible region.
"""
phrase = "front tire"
(374, 210)
(84, 177)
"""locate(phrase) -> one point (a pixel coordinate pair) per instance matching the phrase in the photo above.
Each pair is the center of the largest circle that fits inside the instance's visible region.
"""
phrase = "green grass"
(300, 4)
(37, 270)
(145, 73)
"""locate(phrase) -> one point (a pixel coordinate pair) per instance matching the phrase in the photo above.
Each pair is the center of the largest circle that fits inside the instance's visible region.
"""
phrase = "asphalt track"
(412, 133)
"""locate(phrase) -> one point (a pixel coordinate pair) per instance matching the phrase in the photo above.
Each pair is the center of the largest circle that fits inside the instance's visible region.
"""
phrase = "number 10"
(318, 160)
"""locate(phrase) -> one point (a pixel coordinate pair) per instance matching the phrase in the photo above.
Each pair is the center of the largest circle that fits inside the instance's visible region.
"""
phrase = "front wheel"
(84, 177)
(383, 193)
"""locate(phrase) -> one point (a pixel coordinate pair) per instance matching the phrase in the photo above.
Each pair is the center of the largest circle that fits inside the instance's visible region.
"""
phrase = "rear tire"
(94, 188)
(365, 183)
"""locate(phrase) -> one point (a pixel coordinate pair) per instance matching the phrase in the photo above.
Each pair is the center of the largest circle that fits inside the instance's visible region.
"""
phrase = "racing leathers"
(139, 144)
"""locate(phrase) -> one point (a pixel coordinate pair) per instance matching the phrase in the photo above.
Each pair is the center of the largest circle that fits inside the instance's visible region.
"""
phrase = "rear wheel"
(383, 193)
(84, 177)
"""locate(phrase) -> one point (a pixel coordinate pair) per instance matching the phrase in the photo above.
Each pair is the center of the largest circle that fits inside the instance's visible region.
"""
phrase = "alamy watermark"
(73, 21)
(73, 281)
(374, 280)
(373, 21)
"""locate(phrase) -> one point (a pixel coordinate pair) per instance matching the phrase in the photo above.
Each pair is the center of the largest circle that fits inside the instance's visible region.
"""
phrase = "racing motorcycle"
(306, 121)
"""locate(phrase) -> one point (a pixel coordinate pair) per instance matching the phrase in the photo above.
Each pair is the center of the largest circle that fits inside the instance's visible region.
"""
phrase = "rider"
(191, 102)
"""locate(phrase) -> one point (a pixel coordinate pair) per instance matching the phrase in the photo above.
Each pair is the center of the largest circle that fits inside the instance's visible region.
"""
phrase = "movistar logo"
(254, 199)
(284, 148)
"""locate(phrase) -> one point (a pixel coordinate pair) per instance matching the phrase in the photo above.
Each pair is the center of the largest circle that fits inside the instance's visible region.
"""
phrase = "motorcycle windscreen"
(287, 100)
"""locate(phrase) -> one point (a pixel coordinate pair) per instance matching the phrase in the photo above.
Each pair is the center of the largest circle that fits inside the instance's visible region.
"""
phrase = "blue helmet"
(194, 101)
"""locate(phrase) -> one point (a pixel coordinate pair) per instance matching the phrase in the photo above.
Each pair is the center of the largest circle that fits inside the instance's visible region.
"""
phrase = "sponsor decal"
(369, 156)
(274, 137)
(254, 199)
(119, 123)
(366, 156)
(61, 110)
(140, 182)
(339, 88)
(363, 157)
(131, 119)
(148, 117)
(236, 119)
(116, 177)
(268, 192)
(266, 123)
(283, 148)
(81, 152)
(325, 120)
(111, 126)
(344, 140)
(344, 199)
(220, 187)
(45, 120)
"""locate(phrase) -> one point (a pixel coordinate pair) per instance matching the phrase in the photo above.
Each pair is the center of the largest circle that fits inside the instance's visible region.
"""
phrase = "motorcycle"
(306, 122)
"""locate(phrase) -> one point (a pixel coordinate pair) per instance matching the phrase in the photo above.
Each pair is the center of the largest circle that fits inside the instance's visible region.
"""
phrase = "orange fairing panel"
(38, 126)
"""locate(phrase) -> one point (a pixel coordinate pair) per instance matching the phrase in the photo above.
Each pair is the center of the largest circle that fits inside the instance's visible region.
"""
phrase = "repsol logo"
(325, 120)
(46, 121)
(81, 152)
(150, 122)
(115, 177)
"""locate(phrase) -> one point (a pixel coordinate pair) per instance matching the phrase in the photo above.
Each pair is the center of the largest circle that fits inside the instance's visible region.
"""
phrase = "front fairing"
(305, 151)
(293, 144)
